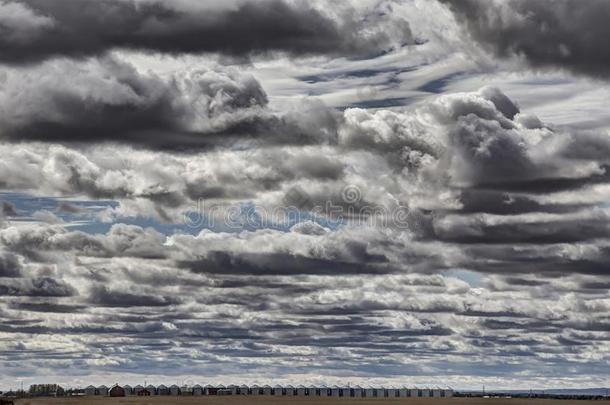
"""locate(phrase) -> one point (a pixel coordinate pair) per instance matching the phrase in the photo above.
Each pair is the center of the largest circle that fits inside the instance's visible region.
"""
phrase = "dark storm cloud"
(566, 34)
(547, 259)
(36, 287)
(10, 266)
(68, 208)
(105, 297)
(476, 200)
(277, 263)
(33, 30)
(8, 210)
(47, 307)
(110, 100)
(534, 228)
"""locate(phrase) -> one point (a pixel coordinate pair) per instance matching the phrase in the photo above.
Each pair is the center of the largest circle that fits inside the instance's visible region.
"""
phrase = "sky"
(389, 192)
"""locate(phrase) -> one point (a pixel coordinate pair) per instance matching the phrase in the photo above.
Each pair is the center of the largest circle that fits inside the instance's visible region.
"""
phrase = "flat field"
(266, 400)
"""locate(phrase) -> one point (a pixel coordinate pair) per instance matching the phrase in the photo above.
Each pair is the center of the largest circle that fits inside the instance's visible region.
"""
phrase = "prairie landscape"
(265, 400)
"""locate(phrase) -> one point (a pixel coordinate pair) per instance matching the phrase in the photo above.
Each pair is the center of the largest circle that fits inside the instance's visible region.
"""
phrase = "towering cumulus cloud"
(550, 34)
(109, 100)
(33, 30)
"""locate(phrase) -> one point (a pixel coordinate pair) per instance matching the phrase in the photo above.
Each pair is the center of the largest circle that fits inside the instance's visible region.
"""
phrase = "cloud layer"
(547, 34)
(37, 30)
(263, 309)
(501, 259)
(109, 100)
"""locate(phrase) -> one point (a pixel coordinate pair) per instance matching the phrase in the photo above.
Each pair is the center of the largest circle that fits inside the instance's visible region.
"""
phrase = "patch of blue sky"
(473, 278)
(239, 217)
(439, 85)
(84, 211)
(382, 103)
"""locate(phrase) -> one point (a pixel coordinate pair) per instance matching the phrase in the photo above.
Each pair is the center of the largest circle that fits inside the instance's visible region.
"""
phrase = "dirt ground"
(265, 400)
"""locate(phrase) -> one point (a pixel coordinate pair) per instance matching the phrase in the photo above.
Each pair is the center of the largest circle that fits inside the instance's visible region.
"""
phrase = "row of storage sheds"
(278, 390)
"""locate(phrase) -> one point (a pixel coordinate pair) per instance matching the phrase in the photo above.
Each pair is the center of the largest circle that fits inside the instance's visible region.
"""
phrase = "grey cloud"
(558, 34)
(276, 263)
(109, 100)
(552, 259)
(37, 30)
(9, 210)
(68, 208)
(102, 296)
(502, 202)
(529, 228)
(37, 287)
(47, 307)
(122, 240)
(10, 266)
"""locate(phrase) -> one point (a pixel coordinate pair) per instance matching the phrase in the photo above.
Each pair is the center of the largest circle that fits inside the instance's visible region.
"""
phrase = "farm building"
(420, 392)
(197, 390)
(267, 390)
(356, 392)
(116, 391)
(392, 392)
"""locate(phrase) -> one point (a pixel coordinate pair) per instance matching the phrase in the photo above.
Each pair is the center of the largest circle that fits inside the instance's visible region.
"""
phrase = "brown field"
(262, 400)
